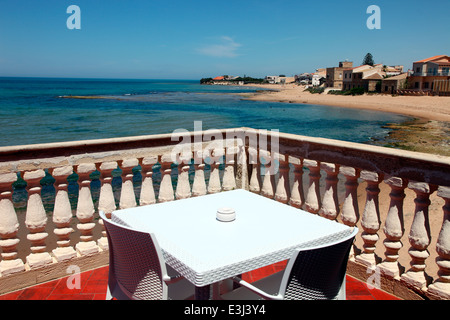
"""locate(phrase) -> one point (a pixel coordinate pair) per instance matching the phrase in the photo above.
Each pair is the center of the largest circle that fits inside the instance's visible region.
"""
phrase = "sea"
(41, 110)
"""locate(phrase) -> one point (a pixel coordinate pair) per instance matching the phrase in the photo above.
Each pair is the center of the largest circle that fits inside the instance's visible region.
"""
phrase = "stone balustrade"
(399, 200)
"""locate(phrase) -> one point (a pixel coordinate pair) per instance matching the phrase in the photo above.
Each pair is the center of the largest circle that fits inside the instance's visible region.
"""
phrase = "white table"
(205, 250)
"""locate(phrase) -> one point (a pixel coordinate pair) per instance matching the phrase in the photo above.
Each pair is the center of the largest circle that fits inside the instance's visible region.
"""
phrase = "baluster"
(127, 195)
(36, 221)
(255, 178)
(282, 192)
(330, 202)
(267, 170)
(393, 228)
(312, 201)
(297, 197)
(242, 178)
(166, 188)
(106, 201)
(370, 220)
(62, 215)
(441, 287)
(147, 190)
(9, 226)
(419, 236)
(350, 207)
(199, 184)
(85, 211)
(214, 177)
(183, 189)
(229, 179)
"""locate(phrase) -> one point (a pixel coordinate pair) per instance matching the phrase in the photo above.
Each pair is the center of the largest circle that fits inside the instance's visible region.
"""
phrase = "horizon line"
(95, 78)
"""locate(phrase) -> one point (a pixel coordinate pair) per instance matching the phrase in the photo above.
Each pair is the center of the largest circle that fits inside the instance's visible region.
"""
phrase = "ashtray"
(226, 214)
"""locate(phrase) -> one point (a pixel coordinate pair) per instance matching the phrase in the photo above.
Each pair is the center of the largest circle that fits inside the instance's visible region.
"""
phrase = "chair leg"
(202, 293)
(342, 295)
(108, 294)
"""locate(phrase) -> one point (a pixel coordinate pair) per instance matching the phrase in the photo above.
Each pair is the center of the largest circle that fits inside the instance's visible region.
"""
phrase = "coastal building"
(364, 76)
(391, 85)
(283, 80)
(393, 70)
(279, 79)
(335, 75)
(304, 78)
(318, 77)
(270, 79)
(430, 75)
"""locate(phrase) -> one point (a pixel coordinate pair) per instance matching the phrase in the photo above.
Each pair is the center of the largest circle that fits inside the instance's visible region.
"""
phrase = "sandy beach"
(431, 108)
(428, 131)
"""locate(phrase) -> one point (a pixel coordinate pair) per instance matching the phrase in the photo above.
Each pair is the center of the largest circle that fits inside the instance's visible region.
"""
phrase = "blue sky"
(171, 39)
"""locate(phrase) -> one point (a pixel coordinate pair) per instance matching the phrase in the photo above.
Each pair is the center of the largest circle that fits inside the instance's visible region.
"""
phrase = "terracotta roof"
(375, 76)
(218, 78)
(364, 65)
(398, 77)
(432, 58)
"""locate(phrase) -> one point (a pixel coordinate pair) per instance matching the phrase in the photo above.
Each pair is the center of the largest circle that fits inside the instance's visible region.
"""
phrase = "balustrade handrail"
(429, 168)
(78, 149)
(412, 165)
(242, 168)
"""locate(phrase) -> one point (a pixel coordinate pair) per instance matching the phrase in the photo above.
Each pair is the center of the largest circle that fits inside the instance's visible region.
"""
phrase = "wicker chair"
(137, 270)
(316, 273)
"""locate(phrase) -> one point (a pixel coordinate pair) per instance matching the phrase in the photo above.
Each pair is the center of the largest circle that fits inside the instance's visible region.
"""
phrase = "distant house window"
(426, 85)
(417, 69)
(416, 85)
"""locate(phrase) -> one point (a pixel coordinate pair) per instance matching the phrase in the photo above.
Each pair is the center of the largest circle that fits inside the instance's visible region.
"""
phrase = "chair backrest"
(318, 273)
(136, 263)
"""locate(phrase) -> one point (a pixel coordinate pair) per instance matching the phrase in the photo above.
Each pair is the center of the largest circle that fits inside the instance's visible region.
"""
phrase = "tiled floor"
(92, 286)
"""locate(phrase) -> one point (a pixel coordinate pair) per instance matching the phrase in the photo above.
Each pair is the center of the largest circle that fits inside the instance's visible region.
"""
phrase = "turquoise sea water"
(38, 111)
(35, 110)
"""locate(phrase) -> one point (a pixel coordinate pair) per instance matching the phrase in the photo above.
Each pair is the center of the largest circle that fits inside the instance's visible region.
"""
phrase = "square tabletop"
(206, 250)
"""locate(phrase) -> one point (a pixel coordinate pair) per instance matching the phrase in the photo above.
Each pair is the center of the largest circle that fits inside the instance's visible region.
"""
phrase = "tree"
(368, 59)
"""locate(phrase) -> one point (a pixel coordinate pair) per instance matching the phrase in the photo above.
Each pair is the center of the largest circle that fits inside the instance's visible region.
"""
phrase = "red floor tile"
(35, 293)
(93, 284)
(71, 297)
(360, 297)
(99, 296)
(11, 296)
(381, 295)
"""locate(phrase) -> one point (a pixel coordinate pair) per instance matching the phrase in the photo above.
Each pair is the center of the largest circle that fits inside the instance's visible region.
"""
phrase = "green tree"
(368, 59)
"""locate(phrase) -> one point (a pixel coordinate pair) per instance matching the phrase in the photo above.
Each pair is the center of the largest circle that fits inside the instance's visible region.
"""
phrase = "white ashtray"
(226, 214)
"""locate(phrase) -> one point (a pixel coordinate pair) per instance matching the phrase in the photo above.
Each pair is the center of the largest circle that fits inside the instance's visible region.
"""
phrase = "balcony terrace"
(50, 195)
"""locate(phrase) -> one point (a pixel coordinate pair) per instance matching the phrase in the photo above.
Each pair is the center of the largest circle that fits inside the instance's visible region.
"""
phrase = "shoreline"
(427, 131)
(437, 108)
